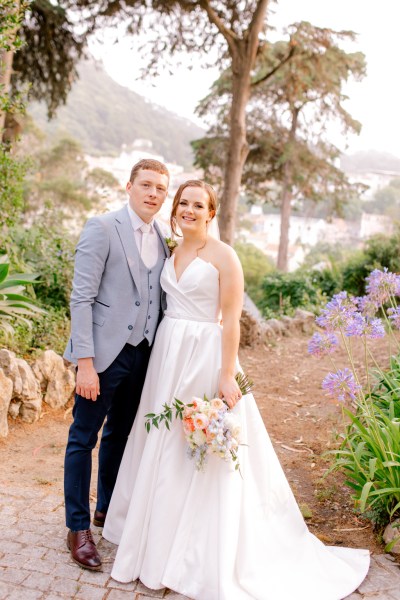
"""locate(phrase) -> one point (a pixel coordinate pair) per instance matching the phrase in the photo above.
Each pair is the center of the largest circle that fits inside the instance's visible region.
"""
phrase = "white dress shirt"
(137, 222)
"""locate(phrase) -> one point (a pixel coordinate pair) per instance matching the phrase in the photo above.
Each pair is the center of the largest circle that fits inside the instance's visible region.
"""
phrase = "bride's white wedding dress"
(212, 535)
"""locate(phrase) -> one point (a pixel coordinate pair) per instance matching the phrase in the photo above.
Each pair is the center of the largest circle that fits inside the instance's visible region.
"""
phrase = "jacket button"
(151, 301)
(147, 331)
(130, 327)
(137, 303)
(151, 287)
(148, 317)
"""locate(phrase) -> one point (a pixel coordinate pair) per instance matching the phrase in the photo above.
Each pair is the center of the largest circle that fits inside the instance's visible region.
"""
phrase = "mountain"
(370, 161)
(102, 115)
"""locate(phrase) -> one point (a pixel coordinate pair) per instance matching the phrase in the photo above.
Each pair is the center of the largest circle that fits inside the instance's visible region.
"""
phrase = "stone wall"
(254, 330)
(24, 387)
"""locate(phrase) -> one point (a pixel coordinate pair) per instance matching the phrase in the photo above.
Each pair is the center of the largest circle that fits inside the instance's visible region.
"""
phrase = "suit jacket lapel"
(127, 237)
(162, 238)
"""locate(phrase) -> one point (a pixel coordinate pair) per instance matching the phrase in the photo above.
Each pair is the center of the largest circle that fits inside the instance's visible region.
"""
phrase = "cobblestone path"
(35, 563)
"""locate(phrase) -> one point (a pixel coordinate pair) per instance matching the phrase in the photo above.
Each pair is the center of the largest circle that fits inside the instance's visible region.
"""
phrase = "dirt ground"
(300, 419)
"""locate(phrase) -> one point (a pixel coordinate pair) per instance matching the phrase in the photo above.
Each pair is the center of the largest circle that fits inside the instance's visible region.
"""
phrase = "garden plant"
(369, 453)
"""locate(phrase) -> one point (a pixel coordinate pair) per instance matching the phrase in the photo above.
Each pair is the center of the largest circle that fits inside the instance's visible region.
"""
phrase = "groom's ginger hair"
(212, 199)
(148, 164)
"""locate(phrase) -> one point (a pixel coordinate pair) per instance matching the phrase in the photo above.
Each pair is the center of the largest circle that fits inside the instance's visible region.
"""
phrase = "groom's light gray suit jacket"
(106, 295)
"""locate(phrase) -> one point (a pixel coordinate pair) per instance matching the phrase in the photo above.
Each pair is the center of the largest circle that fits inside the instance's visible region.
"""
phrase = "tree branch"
(268, 75)
(230, 36)
(256, 24)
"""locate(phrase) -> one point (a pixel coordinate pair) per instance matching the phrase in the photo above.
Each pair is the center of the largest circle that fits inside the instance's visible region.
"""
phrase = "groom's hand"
(87, 380)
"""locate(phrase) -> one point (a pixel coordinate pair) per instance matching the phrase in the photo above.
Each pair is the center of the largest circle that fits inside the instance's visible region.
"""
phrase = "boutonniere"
(172, 244)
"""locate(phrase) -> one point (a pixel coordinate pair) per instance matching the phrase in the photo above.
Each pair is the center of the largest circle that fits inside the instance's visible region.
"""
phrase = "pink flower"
(197, 402)
(217, 403)
(200, 421)
(213, 414)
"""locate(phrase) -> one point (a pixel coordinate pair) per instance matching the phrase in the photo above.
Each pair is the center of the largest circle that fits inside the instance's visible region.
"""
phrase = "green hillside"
(102, 115)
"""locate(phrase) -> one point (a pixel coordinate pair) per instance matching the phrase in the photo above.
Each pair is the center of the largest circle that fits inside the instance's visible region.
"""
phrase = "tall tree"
(234, 30)
(288, 116)
(231, 32)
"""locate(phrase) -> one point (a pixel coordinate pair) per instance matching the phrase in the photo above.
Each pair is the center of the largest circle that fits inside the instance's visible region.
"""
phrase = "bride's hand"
(229, 391)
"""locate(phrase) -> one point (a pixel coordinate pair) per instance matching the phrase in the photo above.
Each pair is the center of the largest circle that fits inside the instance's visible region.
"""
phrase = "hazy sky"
(375, 101)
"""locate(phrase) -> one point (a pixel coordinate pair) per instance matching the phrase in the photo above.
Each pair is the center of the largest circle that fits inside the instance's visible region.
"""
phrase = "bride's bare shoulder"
(223, 254)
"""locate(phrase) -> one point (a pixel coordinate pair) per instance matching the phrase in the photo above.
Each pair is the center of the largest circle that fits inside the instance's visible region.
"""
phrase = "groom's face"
(147, 193)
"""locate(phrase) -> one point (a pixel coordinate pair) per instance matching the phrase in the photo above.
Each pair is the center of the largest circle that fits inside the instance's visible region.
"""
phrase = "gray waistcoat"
(150, 301)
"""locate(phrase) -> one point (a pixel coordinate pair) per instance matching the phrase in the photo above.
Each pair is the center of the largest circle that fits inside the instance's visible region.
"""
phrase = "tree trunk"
(243, 53)
(286, 208)
(286, 202)
(6, 60)
(237, 153)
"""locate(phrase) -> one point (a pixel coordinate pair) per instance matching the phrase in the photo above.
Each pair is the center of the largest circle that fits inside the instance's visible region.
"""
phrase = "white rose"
(199, 437)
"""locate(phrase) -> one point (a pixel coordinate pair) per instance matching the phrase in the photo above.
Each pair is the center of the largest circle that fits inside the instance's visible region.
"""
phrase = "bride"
(212, 534)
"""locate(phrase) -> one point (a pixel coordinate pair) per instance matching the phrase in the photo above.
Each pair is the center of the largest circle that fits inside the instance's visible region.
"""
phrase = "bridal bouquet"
(209, 426)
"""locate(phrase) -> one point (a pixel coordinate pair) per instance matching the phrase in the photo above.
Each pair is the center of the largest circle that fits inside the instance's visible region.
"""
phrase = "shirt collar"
(136, 221)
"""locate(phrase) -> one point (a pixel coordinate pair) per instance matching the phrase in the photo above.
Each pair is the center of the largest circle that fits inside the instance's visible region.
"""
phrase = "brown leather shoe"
(83, 549)
(99, 518)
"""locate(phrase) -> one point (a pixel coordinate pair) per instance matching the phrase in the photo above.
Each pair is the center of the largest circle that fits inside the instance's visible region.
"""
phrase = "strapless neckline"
(172, 260)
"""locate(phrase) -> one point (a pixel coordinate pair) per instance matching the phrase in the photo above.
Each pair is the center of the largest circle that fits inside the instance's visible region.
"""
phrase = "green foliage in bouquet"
(245, 385)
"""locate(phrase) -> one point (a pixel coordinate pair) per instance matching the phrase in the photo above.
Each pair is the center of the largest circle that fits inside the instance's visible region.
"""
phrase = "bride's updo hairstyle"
(212, 199)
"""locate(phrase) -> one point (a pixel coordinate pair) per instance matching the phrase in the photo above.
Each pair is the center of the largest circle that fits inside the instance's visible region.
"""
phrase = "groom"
(115, 310)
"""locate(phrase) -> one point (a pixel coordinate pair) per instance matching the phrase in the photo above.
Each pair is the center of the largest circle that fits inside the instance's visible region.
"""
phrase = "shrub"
(50, 330)
(255, 266)
(12, 173)
(284, 292)
(354, 271)
(380, 252)
(328, 280)
(45, 248)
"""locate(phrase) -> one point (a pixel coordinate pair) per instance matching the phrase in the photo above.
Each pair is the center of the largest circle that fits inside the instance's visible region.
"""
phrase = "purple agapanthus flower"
(394, 316)
(398, 286)
(381, 285)
(337, 313)
(341, 385)
(355, 325)
(374, 329)
(366, 306)
(322, 344)
(359, 326)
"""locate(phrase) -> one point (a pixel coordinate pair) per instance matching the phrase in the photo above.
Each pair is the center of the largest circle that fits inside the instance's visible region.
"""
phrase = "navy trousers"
(120, 390)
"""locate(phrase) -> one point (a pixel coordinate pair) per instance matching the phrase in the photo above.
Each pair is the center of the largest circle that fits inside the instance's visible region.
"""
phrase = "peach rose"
(217, 403)
(188, 425)
(200, 421)
(197, 402)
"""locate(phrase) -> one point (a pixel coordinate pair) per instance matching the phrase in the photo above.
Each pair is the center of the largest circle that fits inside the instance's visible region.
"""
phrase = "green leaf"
(372, 467)
(391, 544)
(245, 384)
(4, 268)
(364, 495)
(19, 279)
